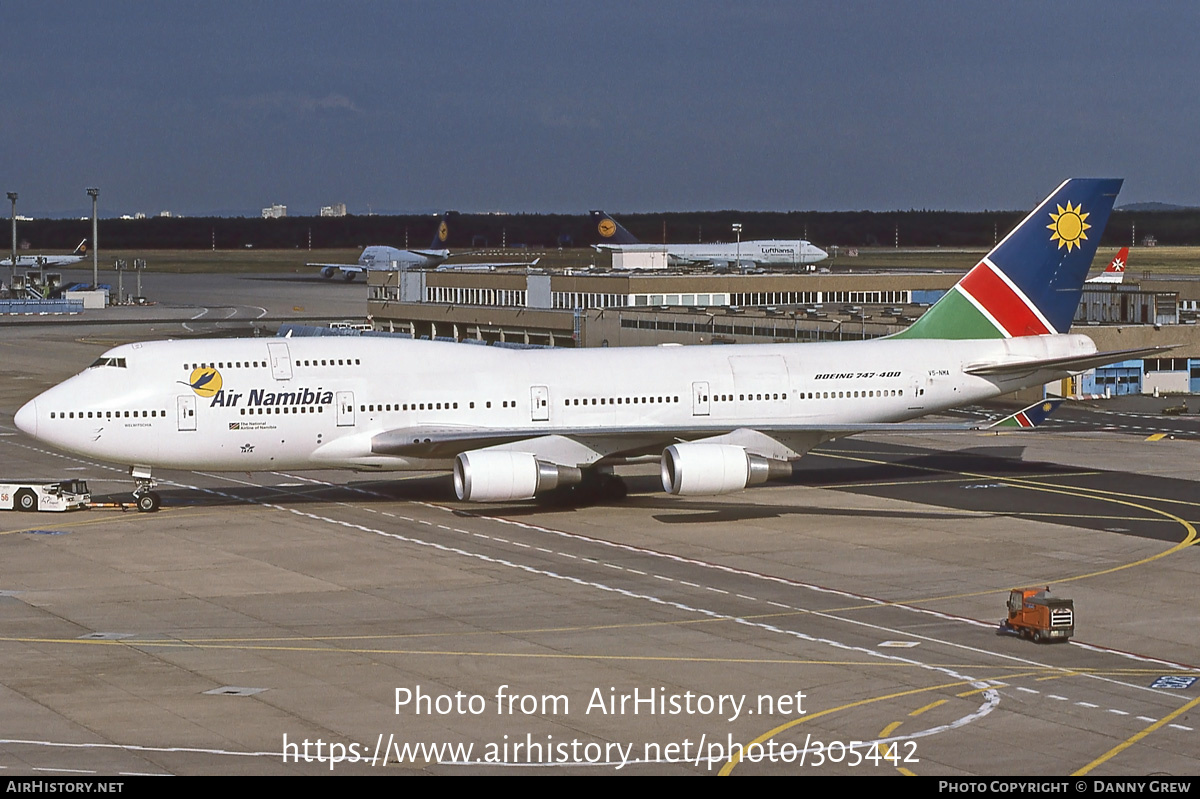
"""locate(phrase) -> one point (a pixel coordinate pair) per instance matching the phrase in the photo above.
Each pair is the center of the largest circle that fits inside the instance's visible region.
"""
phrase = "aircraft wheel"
(26, 500)
(148, 502)
(612, 487)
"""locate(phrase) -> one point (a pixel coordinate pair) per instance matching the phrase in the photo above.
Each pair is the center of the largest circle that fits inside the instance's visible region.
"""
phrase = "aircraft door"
(186, 406)
(918, 392)
(281, 360)
(539, 404)
(700, 399)
(345, 408)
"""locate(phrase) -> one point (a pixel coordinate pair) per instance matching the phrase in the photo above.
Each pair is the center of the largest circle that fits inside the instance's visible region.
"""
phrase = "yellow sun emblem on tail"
(1069, 225)
(444, 231)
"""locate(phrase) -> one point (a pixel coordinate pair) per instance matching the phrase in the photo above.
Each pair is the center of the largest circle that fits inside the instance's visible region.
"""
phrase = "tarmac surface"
(378, 619)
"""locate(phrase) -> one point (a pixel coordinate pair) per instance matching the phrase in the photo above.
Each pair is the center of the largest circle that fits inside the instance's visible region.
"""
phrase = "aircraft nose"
(26, 418)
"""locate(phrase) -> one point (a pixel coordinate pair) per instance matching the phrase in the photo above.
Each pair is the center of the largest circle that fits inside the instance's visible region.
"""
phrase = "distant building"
(274, 212)
(337, 209)
(164, 214)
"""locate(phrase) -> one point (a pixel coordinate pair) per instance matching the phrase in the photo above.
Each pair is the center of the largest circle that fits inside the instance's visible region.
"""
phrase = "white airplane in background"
(378, 258)
(390, 259)
(515, 423)
(1115, 273)
(766, 252)
(39, 261)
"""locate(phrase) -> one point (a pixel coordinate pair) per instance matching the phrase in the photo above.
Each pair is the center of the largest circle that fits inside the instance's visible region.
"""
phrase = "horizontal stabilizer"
(1071, 363)
(1032, 416)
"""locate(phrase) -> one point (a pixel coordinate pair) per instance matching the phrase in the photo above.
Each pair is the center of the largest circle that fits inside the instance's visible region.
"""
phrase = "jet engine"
(327, 272)
(705, 469)
(500, 475)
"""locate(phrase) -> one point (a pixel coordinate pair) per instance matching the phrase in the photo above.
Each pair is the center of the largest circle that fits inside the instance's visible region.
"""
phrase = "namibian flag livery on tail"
(1032, 416)
(1030, 283)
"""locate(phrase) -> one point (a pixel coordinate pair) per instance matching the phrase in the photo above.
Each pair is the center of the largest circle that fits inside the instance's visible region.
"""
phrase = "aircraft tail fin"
(610, 230)
(81, 249)
(441, 235)
(1031, 282)
(1032, 416)
(1115, 273)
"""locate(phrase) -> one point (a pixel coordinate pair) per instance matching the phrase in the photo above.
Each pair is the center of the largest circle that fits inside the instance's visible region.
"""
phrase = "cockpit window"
(118, 362)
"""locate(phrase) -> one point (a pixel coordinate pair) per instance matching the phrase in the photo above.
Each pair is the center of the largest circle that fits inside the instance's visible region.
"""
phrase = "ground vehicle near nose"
(58, 495)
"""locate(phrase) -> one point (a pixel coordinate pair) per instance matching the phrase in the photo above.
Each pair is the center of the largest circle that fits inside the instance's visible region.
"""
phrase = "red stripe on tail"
(1005, 305)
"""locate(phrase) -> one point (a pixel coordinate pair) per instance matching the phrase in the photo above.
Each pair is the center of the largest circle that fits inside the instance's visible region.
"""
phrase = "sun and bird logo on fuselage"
(206, 382)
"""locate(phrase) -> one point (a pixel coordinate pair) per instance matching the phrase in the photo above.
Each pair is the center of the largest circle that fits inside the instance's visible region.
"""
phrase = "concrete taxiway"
(382, 618)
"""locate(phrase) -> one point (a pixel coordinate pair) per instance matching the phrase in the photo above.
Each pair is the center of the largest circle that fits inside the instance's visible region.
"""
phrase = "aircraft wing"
(581, 447)
(1074, 363)
(344, 267)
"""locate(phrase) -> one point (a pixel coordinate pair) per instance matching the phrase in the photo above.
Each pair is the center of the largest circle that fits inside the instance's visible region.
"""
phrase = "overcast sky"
(561, 107)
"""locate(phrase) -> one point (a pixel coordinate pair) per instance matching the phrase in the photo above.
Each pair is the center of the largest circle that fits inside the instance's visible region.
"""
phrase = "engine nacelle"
(500, 475)
(706, 469)
(327, 272)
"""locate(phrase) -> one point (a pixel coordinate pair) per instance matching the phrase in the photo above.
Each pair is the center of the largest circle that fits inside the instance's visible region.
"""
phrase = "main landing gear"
(597, 487)
(144, 495)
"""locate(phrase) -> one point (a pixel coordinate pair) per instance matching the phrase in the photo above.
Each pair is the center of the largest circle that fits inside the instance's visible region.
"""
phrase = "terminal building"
(597, 308)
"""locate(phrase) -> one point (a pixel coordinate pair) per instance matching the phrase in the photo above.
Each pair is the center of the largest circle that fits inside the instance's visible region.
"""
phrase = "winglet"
(1033, 416)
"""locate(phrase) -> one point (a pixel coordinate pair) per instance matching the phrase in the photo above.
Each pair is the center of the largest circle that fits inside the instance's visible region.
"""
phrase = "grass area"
(1143, 261)
(236, 261)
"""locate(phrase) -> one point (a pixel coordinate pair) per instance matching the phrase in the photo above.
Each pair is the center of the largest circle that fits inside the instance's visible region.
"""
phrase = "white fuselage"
(42, 261)
(795, 252)
(308, 403)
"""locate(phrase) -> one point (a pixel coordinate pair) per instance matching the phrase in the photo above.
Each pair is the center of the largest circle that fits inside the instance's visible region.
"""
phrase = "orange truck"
(1034, 614)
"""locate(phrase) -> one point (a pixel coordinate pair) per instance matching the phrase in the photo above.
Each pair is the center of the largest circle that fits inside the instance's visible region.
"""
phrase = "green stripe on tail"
(952, 317)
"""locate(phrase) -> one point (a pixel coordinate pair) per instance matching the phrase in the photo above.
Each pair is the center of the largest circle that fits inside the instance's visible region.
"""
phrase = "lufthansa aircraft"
(38, 261)
(767, 252)
(380, 258)
(514, 423)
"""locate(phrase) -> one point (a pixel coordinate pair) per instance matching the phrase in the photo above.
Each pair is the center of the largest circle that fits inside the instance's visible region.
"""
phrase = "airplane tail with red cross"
(1115, 273)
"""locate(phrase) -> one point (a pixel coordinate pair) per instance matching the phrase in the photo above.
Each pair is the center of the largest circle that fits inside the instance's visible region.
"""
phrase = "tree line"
(824, 228)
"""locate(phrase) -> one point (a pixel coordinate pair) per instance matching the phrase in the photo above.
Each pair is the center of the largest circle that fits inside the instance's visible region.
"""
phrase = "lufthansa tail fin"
(81, 249)
(610, 230)
(1031, 282)
(441, 235)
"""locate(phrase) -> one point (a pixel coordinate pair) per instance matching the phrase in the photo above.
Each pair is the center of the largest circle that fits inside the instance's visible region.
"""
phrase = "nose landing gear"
(144, 495)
